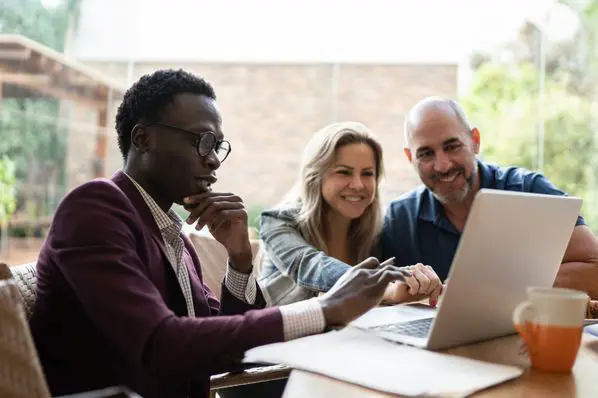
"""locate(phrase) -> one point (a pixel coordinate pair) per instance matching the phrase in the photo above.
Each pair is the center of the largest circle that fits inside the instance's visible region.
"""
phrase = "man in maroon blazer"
(120, 297)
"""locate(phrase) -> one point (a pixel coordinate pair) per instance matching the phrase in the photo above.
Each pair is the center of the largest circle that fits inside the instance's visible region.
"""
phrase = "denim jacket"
(292, 269)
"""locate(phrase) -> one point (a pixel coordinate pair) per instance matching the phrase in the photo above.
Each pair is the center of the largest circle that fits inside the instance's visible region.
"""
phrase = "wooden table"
(581, 382)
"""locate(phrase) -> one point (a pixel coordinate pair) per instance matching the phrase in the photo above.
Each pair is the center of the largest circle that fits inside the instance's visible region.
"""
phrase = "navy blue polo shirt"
(416, 229)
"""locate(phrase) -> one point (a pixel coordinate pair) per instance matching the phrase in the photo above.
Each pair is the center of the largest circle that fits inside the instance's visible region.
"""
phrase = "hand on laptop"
(423, 283)
(358, 290)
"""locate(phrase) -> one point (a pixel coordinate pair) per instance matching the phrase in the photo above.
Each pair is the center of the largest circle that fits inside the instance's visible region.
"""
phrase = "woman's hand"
(422, 283)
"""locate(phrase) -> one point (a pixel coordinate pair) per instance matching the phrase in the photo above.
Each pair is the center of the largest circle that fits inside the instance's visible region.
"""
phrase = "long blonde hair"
(317, 157)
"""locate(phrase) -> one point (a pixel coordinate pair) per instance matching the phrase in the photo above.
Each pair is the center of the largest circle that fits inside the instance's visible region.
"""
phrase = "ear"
(140, 138)
(407, 152)
(475, 136)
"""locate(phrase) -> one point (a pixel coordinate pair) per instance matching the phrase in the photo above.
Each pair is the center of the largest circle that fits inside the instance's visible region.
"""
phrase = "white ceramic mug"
(551, 323)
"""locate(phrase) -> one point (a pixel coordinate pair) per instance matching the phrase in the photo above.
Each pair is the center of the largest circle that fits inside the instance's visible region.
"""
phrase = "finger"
(404, 270)
(198, 208)
(432, 277)
(223, 210)
(412, 284)
(389, 261)
(202, 197)
(433, 300)
(380, 272)
(390, 276)
(368, 263)
(215, 226)
(207, 214)
(222, 216)
(423, 281)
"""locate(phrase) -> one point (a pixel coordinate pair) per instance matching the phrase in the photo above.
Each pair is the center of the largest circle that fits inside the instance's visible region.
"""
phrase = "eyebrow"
(343, 166)
(200, 129)
(340, 165)
(453, 140)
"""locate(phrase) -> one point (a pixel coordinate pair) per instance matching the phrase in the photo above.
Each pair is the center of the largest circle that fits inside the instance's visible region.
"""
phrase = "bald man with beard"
(425, 224)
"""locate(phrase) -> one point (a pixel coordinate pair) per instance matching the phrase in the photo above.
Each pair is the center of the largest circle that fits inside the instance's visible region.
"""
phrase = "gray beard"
(459, 196)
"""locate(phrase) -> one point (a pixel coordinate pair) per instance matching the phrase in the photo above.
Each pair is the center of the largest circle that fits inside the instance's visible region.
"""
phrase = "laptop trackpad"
(394, 314)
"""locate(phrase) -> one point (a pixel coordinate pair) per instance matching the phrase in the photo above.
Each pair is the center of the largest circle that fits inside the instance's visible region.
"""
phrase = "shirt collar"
(487, 177)
(164, 220)
(430, 208)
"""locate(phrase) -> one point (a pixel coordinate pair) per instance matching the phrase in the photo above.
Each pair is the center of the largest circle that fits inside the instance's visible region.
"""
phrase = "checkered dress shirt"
(170, 225)
(299, 319)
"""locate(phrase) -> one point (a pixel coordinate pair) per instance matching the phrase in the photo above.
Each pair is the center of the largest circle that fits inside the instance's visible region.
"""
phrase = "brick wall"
(271, 111)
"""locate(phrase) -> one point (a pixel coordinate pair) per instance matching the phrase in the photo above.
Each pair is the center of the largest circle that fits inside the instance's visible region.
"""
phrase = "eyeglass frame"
(198, 137)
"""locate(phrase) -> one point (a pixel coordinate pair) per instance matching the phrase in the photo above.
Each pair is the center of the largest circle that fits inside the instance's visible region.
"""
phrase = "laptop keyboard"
(417, 328)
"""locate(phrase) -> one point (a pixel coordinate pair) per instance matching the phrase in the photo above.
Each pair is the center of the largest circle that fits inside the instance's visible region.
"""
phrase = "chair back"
(25, 277)
(21, 374)
(5, 272)
(213, 257)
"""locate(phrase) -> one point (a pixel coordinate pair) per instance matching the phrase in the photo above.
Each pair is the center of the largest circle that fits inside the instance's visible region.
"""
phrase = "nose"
(442, 163)
(356, 183)
(212, 161)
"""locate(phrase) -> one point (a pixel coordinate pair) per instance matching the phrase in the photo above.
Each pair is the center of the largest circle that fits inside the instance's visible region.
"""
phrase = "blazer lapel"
(131, 191)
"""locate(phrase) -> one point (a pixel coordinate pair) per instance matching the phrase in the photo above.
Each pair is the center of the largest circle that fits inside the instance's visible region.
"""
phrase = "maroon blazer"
(109, 310)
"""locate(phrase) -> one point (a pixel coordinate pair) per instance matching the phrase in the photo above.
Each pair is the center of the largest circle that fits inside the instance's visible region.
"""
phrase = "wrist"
(241, 261)
(332, 314)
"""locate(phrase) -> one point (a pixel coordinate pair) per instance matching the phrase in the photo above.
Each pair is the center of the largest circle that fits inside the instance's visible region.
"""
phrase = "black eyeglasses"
(205, 142)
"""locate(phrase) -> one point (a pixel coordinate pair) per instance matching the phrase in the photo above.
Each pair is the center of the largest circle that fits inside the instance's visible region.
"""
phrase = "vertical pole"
(541, 95)
(3, 223)
(100, 155)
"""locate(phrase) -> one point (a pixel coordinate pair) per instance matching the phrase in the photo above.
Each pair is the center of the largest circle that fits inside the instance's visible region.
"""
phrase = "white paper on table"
(361, 358)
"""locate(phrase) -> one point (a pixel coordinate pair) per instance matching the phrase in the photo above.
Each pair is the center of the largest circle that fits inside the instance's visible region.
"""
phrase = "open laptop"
(511, 240)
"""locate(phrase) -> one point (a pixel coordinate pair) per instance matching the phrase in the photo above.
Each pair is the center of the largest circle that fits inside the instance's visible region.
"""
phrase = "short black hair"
(146, 99)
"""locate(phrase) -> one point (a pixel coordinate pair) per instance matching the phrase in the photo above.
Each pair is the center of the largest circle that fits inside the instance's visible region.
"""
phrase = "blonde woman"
(331, 221)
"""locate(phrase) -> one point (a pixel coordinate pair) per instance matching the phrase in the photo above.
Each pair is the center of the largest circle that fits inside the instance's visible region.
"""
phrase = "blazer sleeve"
(95, 242)
(294, 257)
(229, 304)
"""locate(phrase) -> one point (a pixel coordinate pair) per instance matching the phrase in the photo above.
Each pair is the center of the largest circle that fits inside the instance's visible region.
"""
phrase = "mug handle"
(524, 313)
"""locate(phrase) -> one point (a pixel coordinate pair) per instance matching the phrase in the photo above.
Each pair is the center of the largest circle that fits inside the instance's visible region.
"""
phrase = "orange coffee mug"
(551, 324)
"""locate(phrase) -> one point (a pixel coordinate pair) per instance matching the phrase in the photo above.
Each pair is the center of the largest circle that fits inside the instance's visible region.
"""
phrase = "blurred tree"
(503, 103)
(29, 132)
(7, 197)
(7, 187)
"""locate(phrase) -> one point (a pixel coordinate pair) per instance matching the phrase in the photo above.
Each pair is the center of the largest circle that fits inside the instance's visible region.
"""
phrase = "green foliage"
(32, 19)
(503, 104)
(253, 216)
(29, 131)
(180, 210)
(7, 189)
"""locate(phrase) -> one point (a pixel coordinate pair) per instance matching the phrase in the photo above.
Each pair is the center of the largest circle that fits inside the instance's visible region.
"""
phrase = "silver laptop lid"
(511, 240)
